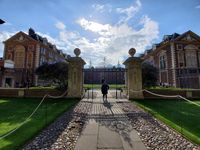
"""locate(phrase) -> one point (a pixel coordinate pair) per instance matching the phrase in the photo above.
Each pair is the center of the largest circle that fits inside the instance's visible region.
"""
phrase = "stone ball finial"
(77, 52)
(132, 52)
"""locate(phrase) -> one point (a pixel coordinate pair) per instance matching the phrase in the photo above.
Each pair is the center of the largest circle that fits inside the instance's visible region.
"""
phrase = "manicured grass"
(98, 86)
(42, 87)
(178, 114)
(13, 111)
(168, 88)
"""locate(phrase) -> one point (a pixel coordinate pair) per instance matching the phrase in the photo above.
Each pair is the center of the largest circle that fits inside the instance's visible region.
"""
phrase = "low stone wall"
(38, 93)
(21, 92)
(191, 94)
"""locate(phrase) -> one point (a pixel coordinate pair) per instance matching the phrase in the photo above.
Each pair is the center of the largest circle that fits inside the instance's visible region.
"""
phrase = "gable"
(20, 37)
(188, 37)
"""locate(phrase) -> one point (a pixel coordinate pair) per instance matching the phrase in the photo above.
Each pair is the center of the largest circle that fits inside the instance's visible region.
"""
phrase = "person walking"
(104, 89)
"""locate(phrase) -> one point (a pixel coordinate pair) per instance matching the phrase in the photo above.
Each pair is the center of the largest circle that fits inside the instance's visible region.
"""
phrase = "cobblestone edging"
(155, 134)
(64, 132)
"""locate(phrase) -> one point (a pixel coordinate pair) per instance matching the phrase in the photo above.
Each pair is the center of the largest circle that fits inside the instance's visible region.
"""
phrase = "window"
(42, 50)
(30, 60)
(30, 47)
(199, 57)
(10, 48)
(163, 62)
(179, 47)
(181, 59)
(191, 59)
(9, 56)
(42, 60)
(19, 56)
(51, 54)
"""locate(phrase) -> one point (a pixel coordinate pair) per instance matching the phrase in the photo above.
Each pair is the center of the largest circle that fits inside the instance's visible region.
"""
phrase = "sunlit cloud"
(93, 26)
(60, 25)
(98, 7)
(111, 40)
(129, 12)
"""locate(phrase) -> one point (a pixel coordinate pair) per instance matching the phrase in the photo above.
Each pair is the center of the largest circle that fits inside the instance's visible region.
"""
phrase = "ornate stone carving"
(77, 52)
(132, 52)
(190, 47)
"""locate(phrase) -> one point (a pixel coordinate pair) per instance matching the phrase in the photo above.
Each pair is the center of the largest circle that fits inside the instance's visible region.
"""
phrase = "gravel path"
(63, 133)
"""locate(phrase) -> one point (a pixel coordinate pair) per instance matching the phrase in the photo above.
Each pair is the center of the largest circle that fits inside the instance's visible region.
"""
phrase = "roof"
(17, 34)
(36, 38)
(169, 38)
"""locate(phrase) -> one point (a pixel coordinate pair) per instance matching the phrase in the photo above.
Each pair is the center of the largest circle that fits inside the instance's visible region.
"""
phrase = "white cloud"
(99, 7)
(112, 41)
(115, 41)
(60, 25)
(198, 7)
(102, 8)
(129, 12)
(94, 26)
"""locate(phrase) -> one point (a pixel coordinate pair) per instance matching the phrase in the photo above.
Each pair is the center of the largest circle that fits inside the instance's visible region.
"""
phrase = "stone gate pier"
(75, 75)
(133, 76)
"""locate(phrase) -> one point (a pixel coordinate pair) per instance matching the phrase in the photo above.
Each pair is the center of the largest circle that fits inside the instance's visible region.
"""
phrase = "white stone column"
(173, 61)
(75, 75)
(134, 76)
(37, 61)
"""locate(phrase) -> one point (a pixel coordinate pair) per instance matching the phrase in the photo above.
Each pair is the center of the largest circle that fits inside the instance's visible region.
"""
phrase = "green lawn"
(179, 114)
(167, 88)
(13, 111)
(42, 87)
(98, 86)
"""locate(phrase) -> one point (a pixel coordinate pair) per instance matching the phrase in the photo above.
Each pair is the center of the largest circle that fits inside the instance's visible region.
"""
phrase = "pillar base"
(135, 95)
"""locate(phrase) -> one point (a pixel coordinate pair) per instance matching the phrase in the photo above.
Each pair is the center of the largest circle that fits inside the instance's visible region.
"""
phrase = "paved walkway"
(108, 128)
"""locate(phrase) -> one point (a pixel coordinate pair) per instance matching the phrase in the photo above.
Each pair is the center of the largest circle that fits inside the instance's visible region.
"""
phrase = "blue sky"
(100, 28)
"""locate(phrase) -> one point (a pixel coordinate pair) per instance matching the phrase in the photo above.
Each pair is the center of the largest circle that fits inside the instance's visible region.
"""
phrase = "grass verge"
(183, 116)
(98, 86)
(16, 110)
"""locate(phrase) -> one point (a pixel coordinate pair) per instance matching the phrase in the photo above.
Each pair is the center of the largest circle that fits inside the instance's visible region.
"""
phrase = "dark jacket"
(104, 88)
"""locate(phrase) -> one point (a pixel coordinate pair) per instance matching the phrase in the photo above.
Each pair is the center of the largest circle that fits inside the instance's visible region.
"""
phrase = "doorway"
(8, 82)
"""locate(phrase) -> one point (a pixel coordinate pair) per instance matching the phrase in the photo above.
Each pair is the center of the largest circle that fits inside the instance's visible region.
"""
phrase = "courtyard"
(96, 124)
(99, 75)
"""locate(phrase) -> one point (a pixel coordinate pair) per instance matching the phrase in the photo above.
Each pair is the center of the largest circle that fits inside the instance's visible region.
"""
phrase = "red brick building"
(23, 53)
(177, 58)
(111, 75)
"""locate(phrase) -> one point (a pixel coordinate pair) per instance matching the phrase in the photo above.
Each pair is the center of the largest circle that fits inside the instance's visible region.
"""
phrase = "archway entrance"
(131, 76)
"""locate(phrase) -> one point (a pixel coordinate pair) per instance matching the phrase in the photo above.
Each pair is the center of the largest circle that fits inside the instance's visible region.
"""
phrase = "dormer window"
(179, 47)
